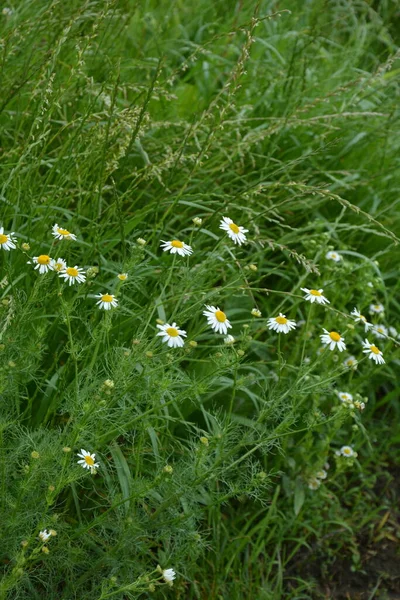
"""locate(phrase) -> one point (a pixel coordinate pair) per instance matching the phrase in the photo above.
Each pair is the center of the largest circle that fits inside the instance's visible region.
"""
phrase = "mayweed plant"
(199, 297)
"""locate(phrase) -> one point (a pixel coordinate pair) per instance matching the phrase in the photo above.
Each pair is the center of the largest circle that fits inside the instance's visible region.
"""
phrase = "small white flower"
(256, 313)
(376, 309)
(315, 296)
(62, 234)
(177, 247)
(122, 276)
(44, 535)
(169, 575)
(7, 241)
(358, 317)
(217, 319)
(321, 474)
(281, 324)
(351, 362)
(171, 334)
(58, 264)
(373, 352)
(314, 483)
(197, 221)
(379, 331)
(393, 331)
(229, 340)
(347, 451)
(333, 339)
(359, 405)
(72, 274)
(87, 460)
(43, 263)
(345, 397)
(333, 256)
(106, 301)
(235, 232)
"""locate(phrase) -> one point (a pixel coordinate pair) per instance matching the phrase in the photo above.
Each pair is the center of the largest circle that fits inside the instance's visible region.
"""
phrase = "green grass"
(127, 120)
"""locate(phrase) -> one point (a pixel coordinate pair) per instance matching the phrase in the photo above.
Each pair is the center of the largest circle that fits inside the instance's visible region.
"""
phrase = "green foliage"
(122, 122)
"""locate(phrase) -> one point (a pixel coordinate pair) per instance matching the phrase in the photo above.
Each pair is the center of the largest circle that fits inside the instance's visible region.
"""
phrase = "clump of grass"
(220, 449)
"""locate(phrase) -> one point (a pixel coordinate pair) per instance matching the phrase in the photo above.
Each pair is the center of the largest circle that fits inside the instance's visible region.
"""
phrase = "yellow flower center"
(172, 331)
(72, 272)
(58, 266)
(107, 298)
(334, 336)
(122, 276)
(220, 316)
(89, 461)
(281, 320)
(374, 349)
(315, 293)
(177, 244)
(377, 307)
(363, 318)
(43, 259)
(3, 238)
(63, 231)
(346, 451)
(233, 227)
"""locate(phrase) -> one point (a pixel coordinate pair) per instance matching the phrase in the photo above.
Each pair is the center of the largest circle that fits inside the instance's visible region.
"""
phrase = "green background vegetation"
(127, 119)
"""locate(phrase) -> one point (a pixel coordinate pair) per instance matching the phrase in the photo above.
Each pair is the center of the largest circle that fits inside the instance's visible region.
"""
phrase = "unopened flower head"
(335, 256)
(379, 331)
(169, 575)
(376, 309)
(7, 241)
(235, 232)
(315, 296)
(141, 242)
(122, 276)
(43, 263)
(359, 318)
(350, 362)
(73, 275)
(172, 335)
(229, 340)
(44, 535)
(176, 247)
(313, 483)
(106, 301)
(88, 461)
(281, 324)
(321, 474)
(333, 340)
(217, 319)
(373, 352)
(197, 221)
(345, 397)
(393, 331)
(58, 264)
(62, 234)
(256, 313)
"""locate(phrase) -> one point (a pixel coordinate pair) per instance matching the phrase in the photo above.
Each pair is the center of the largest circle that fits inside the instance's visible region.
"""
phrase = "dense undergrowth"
(129, 123)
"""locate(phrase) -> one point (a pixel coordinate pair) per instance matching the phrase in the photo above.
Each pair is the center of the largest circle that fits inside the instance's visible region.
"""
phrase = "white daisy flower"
(44, 535)
(106, 301)
(359, 405)
(345, 397)
(315, 296)
(373, 352)
(335, 256)
(235, 232)
(350, 362)
(7, 241)
(217, 319)
(393, 332)
(321, 474)
(333, 339)
(255, 312)
(359, 318)
(169, 575)
(379, 331)
(177, 247)
(347, 451)
(87, 460)
(281, 324)
(58, 264)
(313, 483)
(72, 274)
(43, 263)
(229, 340)
(172, 335)
(122, 276)
(376, 309)
(62, 234)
